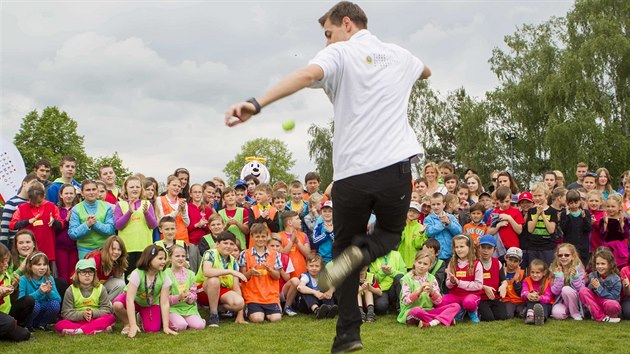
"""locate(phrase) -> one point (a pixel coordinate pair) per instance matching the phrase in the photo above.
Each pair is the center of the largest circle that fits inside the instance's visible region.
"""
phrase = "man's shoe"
(348, 261)
(346, 347)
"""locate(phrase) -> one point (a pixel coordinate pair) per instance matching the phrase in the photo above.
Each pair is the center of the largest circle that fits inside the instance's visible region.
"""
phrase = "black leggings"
(21, 309)
(492, 310)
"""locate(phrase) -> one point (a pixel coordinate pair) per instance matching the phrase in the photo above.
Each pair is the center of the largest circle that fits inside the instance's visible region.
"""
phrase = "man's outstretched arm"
(292, 83)
(426, 72)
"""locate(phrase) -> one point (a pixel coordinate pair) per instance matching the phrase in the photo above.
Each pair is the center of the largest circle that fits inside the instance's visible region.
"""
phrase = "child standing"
(541, 225)
(576, 225)
(261, 266)
(413, 236)
(315, 202)
(595, 201)
(66, 253)
(323, 235)
(614, 229)
(601, 296)
(174, 206)
(296, 203)
(288, 285)
(40, 285)
(509, 220)
(420, 293)
(183, 294)
(476, 227)
(235, 217)
(491, 308)
(147, 293)
(464, 278)
(625, 292)
(315, 301)
(441, 226)
(294, 242)
(263, 211)
(368, 288)
(568, 279)
(537, 292)
(514, 275)
(86, 309)
(134, 218)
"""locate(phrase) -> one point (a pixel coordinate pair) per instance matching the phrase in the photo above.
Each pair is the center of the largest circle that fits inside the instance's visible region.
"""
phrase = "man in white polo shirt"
(369, 83)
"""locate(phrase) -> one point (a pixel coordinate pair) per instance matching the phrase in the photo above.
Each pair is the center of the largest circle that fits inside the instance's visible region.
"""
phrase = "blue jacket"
(52, 193)
(31, 287)
(609, 288)
(324, 241)
(444, 234)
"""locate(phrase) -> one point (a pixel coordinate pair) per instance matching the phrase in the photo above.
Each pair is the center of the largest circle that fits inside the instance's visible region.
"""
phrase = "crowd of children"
(81, 259)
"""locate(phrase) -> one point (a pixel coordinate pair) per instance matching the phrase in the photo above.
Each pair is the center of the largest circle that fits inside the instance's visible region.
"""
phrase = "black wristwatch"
(256, 104)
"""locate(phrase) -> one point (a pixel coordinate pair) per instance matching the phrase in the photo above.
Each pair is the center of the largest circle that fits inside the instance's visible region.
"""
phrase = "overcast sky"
(151, 80)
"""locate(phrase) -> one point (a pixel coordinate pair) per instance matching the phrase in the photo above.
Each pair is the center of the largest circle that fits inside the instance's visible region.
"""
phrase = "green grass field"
(302, 334)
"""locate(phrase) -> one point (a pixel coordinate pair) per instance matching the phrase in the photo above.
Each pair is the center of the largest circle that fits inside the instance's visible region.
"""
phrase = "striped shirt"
(7, 213)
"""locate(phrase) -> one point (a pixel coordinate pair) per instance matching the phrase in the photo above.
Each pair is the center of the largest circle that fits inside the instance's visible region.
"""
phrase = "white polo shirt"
(369, 83)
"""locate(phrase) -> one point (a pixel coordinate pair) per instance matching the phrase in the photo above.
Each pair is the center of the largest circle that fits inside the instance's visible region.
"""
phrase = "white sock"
(434, 323)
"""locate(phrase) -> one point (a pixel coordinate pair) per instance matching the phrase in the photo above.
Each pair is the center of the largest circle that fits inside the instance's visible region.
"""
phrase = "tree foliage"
(320, 150)
(52, 135)
(279, 160)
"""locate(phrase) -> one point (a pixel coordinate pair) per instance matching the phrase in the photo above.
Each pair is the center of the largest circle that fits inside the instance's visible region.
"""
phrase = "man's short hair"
(311, 176)
(42, 162)
(67, 159)
(345, 9)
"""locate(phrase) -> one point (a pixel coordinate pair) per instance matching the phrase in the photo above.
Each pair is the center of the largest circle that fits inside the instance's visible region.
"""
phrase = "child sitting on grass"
(313, 300)
(491, 308)
(261, 266)
(568, 279)
(368, 287)
(38, 283)
(421, 293)
(183, 298)
(86, 308)
(537, 292)
(601, 296)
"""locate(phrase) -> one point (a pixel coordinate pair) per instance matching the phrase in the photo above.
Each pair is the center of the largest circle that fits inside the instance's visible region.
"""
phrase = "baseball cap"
(525, 196)
(485, 193)
(240, 183)
(85, 264)
(327, 204)
(415, 206)
(487, 240)
(514, 252)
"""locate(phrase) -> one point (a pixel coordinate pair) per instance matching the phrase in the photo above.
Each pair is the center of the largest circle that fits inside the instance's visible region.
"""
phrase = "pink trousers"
(151, 316)
(444, 314)
(469, 302)
(178, 322)
(599, 307)
(569, 306)
(94, 326)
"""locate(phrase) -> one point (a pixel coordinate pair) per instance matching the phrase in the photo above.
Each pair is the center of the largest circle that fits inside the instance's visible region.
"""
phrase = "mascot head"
(256, 166)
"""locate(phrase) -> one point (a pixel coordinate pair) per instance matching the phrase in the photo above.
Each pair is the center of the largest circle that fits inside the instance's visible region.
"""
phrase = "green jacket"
(411, 241)
(394, 260)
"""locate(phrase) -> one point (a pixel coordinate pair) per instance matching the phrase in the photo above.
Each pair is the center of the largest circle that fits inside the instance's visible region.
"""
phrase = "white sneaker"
(349, 260)
(611, 319)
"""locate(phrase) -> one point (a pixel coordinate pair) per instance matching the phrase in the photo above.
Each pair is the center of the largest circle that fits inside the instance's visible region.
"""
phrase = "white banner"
(12, 170)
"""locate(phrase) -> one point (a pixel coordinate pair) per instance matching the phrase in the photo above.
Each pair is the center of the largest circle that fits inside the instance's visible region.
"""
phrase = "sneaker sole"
(349, 260)
(350, 347)
(539, 315)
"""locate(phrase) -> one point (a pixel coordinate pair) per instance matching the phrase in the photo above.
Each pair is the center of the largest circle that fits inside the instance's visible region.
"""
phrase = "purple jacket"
(576, 281)
(63, 241)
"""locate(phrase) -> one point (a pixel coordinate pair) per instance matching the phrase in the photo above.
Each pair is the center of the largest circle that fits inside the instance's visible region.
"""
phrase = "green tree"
(320, 150)
(51, 135)
(279, 160)
(113, 160)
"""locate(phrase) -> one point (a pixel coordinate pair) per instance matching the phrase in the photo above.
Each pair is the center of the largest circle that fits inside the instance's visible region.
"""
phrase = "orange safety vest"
(510, 294)
(182, 229)
(261, 289)
(272, 214)
(297, 258)
(542, 288)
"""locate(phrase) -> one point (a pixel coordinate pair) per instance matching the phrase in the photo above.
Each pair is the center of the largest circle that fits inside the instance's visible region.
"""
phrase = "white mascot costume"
(256, 166)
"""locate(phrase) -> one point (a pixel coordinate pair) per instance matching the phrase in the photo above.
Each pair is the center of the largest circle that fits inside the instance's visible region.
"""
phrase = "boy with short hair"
(441, 226)
(6, 234)
(240, 189)
(506, 219)
(312, 181)
(235, 218)
(261, 266)
(413, 236)
(446, 168)
(263, 211)
(315, 301)
(438, 269)
(106, 174)
(476, 227)
(450, 182)
(491, 308)
(42, 171)
(324, 235)
(514, 276)
(279, 201)
(168, 229)
(67, 167)
(294, 242)
(590, 181)
(296, 203)
(220, 275)
(542, 221)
